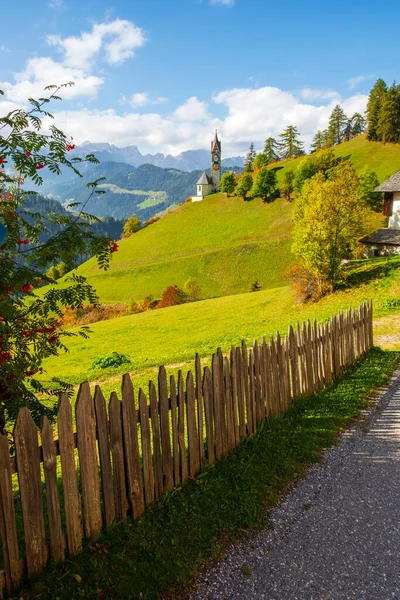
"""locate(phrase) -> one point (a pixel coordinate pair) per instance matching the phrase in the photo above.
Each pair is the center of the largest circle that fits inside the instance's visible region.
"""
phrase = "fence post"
(8, 527)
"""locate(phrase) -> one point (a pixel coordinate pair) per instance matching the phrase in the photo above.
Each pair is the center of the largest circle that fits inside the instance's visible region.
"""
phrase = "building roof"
(204, 179)
(390, 185)
(216, 142)
(385, 236)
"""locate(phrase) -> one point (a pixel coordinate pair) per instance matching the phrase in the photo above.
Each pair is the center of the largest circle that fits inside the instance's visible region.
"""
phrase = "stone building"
(209, 185)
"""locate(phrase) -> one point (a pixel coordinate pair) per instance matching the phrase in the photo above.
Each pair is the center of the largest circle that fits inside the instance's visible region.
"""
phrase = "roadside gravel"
(336, 535)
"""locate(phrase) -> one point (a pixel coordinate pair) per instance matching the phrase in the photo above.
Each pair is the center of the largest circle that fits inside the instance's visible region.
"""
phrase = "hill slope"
(224, 243)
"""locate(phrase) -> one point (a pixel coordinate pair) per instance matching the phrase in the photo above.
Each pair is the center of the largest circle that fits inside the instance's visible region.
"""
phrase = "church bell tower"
(216, 162)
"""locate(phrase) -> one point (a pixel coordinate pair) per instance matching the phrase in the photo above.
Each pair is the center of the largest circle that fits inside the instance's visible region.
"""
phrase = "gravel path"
(337, 534)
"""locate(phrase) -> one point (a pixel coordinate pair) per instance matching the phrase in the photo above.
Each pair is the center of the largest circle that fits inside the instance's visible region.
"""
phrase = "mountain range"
(191, 160)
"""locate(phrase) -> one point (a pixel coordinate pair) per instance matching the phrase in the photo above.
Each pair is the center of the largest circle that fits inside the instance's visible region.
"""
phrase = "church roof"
(216, 142)
(385, 236)
(390, 185)
(204, 179)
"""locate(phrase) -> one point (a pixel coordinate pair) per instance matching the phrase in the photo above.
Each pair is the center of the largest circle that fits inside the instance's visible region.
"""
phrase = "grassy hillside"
(224, 243)
(172, 336)
(384, 159)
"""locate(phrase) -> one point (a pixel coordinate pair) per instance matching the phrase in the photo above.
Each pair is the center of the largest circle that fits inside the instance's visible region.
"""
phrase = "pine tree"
(271, 150)
(376, 97)
(318, 141)
(250, 157)
(337, 125)
(388, 128)
(358, 124)
(290, 146)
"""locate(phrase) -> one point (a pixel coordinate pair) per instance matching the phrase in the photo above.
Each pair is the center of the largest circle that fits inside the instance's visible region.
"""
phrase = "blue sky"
(162, 74)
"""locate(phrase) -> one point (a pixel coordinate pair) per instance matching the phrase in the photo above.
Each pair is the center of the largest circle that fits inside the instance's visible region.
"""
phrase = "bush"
(151, 221)
(114, 360)
(255, 287)
(172, 296)
(192, 290)
(307, 287)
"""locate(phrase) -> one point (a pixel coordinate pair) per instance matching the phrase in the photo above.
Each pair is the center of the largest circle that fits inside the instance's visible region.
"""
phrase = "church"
(209, 185)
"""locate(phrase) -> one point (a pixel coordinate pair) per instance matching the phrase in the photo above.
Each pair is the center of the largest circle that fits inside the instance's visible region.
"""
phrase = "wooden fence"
(137, 450)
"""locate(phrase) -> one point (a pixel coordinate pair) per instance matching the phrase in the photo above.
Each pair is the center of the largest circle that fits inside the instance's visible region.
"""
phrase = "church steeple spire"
(216, 161)
(216, 144)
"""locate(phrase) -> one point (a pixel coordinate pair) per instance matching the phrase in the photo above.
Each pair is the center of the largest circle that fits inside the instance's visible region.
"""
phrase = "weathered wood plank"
(209, 415)
(148, 473)
(257, 382)
(175, 432)
(131, 445)
(181, 428)
(230, 432)
(155, 426)
(240, 393)
(30, 487)
(52, 498)
(8, 528)
(200, 408)
(103, 436)
(193, 442)
(72, 502)
(89, 468)
(165, 430)
(217, 400)
(234, 387)
(222, 404)
(246, 386)
(117, 453)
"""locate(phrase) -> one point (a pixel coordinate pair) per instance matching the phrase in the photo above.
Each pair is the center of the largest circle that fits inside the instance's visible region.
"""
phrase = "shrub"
(172, 296)
(151, 221)
(113, 360)
(187, 200)
(192, 290)
(255, 287)
(306, 285)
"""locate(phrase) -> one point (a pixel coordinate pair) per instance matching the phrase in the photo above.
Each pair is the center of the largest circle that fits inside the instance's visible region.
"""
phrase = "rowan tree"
(329, 218)
(29, 323)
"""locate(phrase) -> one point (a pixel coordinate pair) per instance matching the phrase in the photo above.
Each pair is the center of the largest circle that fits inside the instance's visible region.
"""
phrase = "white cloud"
(355, 81)
(117, 40)
(252, 115)
(318, 94)
(112, 42)
(143, 99)
(192, 110)
(40, 72)
(4, 49)
(223, 2)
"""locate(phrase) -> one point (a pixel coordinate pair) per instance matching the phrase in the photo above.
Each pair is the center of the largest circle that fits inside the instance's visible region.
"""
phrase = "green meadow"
(172, 336)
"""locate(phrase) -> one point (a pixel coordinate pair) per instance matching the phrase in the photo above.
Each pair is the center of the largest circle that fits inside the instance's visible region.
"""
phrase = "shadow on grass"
(160, 554)
(370, 270)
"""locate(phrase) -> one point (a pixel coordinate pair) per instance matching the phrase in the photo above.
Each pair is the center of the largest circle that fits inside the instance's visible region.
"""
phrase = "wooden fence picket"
(209, 415)
(8, 527)
(175, 432)
(230, 427)
(72, 501)
(148, 472)
(200, 411)
(182, 428)
(234, 387)
(117, 453)
(193, 442)
(165, 430)
(52, 498)
(240, 393)
(246, 387)
(217, 395)
(103, 437)
(156, 436)
(30, 487)
(131, 445)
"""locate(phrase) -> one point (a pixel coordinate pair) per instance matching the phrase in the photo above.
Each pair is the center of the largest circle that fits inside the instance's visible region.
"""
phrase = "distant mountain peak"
(190, 160)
